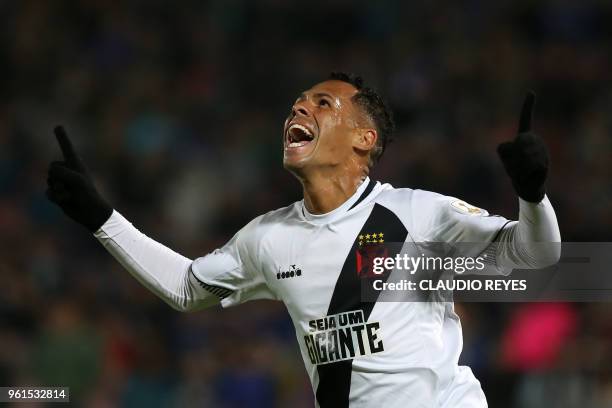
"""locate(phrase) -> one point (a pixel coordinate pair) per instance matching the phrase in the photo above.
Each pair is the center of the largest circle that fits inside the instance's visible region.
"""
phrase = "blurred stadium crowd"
(178, 109)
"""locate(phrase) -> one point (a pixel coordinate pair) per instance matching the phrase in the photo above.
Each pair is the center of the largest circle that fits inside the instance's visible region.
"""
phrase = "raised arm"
(163, 271)
(533, 241)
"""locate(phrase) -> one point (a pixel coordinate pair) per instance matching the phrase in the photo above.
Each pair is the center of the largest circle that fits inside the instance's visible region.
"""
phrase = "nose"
(300, 109)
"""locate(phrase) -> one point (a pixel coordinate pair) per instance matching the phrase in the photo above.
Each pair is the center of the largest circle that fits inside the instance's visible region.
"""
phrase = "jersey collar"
(364, 189)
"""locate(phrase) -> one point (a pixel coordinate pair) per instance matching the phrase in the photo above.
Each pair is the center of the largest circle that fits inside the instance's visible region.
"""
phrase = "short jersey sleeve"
(232, 272)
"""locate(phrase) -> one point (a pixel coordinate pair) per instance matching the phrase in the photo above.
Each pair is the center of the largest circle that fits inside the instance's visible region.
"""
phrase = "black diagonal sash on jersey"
(335, 378)
(365, 193)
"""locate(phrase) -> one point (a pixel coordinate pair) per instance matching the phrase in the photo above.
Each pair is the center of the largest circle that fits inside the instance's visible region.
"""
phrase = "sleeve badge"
(466, 208)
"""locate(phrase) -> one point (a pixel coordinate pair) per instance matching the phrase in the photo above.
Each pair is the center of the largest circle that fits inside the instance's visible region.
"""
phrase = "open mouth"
(298, 136)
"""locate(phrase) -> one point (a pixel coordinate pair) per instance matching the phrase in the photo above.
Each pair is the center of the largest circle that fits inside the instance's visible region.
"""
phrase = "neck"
(324, 193)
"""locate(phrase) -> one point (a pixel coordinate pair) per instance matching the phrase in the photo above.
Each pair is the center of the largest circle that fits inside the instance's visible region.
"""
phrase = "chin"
(298, 160)
(296, 167)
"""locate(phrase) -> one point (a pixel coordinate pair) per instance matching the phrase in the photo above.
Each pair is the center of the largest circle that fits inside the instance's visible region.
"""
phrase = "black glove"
(526, 157)
(71, 187)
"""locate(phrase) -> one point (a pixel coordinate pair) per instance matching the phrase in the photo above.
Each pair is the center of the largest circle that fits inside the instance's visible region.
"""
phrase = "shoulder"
(427, 202)
(273, 218)
(425, 211)
(408, 201)
(392, 195)
(264, 223)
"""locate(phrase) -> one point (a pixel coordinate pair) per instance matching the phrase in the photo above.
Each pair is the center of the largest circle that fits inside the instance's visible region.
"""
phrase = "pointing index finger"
(65, 144)
(527, 112)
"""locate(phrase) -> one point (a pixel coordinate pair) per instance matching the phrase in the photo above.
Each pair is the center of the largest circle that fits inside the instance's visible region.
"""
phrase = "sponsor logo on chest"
(292, 272)
(342, 336)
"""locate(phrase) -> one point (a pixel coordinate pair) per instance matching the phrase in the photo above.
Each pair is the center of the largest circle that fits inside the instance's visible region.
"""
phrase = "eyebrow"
(318, 94)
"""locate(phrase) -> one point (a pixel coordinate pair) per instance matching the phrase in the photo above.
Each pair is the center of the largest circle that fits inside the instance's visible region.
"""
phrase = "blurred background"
(177, 107)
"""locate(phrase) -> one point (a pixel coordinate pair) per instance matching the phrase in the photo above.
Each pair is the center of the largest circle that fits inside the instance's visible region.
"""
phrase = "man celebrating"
(357, 353)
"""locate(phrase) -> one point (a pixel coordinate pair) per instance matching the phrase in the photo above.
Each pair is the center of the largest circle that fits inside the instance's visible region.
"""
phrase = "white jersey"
(357, 353)
(363, 354)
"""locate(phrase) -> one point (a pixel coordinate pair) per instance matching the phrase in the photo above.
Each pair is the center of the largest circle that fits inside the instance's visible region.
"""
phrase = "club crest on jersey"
(466, 208)
(293, 271)
(370, 246)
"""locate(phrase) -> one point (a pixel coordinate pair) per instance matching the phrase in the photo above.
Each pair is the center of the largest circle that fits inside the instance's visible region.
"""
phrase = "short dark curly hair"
(375, 107)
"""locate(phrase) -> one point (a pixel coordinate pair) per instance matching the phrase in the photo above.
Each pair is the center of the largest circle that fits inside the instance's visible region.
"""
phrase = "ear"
(365, 139)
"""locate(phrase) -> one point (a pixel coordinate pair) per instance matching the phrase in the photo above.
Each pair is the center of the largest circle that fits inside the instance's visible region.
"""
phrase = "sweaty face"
(320, 128)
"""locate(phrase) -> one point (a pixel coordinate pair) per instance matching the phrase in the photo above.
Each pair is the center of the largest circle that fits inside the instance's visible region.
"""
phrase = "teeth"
(292, 142)
(302, 128)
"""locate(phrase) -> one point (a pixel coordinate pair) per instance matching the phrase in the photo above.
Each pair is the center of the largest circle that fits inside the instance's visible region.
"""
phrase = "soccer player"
(357, 353)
